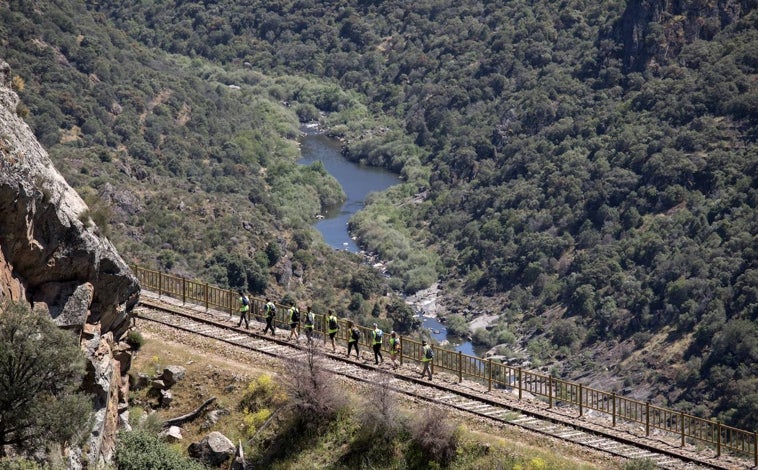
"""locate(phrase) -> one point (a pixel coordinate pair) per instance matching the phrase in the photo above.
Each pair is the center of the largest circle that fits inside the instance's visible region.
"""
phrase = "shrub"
(380, 418)
(435, 437)
(140, 449)
(456, 325)
(312, 393)
(135, 339)
(261, 394)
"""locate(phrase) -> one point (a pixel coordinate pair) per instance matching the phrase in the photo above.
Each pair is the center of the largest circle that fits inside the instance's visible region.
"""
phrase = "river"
(358, 181)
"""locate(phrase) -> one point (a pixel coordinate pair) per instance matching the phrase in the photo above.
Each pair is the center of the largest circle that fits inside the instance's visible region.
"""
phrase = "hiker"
(244, 308)
(270, 310)
(309, 325)
(352, 341)
(394, 348)
(333, 326)
(294, 319)
(376, 343)
(427, 354)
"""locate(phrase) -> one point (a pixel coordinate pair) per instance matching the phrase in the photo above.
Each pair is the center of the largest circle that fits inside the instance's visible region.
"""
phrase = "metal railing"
(687, 428)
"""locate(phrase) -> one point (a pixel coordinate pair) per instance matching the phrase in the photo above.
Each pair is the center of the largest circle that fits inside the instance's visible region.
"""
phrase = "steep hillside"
(54, 260)
(584, 170)
(187, 167)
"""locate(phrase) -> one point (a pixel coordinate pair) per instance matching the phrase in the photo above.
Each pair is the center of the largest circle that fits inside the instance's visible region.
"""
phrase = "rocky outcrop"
(654, 31)
(53, 257)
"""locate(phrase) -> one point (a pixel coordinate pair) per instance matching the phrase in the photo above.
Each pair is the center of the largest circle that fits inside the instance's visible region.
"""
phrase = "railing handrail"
(708, 431)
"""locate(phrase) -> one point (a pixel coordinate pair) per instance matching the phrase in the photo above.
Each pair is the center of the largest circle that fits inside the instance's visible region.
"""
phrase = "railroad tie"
(597, 441)
(525, 420)
(445, 397)
(234, 338)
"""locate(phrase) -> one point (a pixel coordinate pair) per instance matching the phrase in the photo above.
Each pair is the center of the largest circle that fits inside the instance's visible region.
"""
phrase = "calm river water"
(358, 181)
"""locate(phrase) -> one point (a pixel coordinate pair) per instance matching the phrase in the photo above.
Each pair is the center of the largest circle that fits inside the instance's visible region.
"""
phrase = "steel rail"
(576, 430)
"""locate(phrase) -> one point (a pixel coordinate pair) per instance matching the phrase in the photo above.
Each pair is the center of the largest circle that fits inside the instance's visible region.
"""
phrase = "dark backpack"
(332, 323)
(378, 336)
(245, 300)
(356, 334)
(295, 315)
(270, 310)
(429, 354)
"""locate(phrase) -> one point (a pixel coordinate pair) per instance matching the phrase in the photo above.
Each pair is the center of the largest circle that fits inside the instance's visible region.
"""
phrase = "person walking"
(270, 310)
(427, 354)
(394, 348)
(294, 319)
(244, 309)
(352, 341)
(333, 326)
(309, 324)
(377, 337)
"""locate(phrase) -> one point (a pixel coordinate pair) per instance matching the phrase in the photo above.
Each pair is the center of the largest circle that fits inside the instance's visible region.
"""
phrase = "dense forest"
(584, 170)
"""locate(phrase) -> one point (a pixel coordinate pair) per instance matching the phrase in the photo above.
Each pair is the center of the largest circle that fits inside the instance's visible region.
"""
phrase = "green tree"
(41, 369)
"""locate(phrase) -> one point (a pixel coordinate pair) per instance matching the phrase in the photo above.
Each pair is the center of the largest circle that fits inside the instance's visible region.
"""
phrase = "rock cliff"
(53, 257)
(654, 31)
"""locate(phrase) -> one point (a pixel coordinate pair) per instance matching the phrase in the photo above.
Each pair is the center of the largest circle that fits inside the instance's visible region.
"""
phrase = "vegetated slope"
(585, 170)
(596, 156)
(188, 168)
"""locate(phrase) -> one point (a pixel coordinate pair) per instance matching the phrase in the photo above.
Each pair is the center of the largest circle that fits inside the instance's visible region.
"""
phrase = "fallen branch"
(189, 416)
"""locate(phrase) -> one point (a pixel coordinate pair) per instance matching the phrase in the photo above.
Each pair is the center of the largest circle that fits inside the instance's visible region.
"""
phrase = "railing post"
(184, 290)
(681, 417)
(489, 374)
(581, 405)
(613, 407)
(205, 296)
(549, 391)
(718, 439)
(160, 284)
(519, 383)
(755, 448)
(402, 348)
(460, 367)
(230, 299)
(647, 419)
(431, 365)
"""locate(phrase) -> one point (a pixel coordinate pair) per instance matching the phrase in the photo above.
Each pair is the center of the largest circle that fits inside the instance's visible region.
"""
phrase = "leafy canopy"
(41, 370)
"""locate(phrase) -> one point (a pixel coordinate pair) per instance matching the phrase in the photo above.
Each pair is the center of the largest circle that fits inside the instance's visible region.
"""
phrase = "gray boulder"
(213, 450)
(172, 374)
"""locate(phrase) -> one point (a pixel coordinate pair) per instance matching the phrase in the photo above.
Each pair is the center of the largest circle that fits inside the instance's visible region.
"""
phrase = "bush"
(261, 394)
(41, 372)
(135, 339)
(312, 393)
(456, 325)
(139, 449)
(435, 437)
(380, 418)
(20, 464)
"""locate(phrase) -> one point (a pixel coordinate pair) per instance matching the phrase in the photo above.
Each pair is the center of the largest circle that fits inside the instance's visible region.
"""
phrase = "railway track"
(466, 397)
